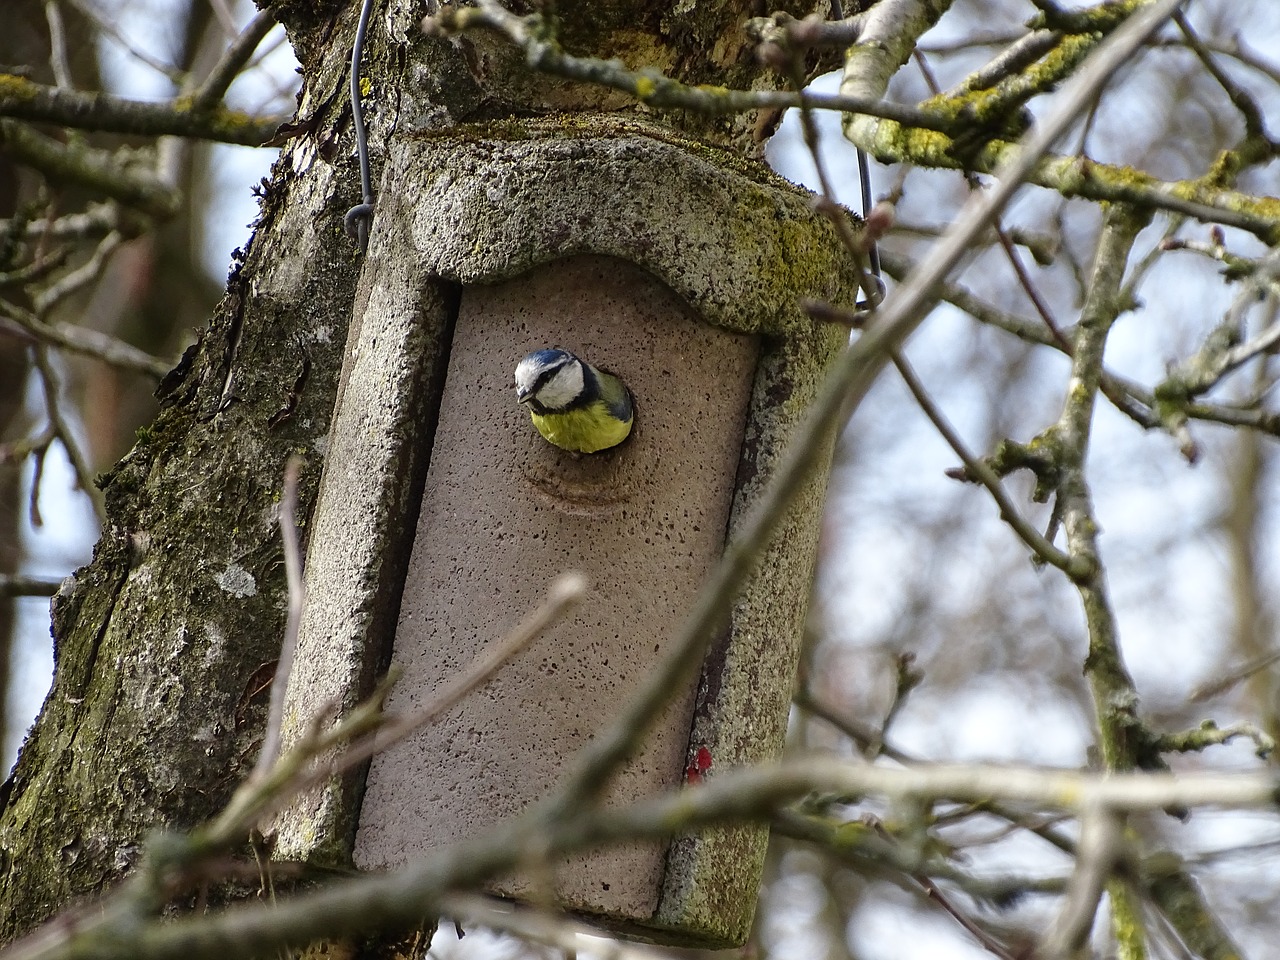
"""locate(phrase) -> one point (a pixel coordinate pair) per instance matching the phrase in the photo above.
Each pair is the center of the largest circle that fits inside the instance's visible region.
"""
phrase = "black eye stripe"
(544, 376)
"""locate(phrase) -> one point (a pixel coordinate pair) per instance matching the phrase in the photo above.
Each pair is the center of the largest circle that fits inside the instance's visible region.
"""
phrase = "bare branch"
(649, 86)
(233, 61)
(402, 897)
(89, 272)
(61, 429)
(1074, 567)
(289, 645)
(1209, 734)
(23, 99)
(1101, 845)
(16, 585)
(86, 341)
(57, 45)
(100, 170)
(107, 27)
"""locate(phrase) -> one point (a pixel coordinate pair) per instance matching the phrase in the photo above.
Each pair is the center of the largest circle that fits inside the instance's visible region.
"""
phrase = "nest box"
(443, 515)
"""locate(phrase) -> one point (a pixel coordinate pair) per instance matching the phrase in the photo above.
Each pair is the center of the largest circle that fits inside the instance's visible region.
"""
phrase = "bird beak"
(523, 396)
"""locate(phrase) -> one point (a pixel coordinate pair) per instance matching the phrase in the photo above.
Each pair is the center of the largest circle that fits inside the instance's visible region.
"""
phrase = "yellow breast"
(587, 429)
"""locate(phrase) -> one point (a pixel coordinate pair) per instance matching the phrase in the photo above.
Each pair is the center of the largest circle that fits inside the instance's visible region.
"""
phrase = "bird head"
(549, 380)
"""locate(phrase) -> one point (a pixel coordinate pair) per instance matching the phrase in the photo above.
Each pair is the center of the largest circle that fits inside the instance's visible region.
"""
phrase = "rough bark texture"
(165, 642)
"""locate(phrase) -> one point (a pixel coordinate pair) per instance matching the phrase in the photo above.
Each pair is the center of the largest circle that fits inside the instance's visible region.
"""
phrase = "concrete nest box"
(443, 514)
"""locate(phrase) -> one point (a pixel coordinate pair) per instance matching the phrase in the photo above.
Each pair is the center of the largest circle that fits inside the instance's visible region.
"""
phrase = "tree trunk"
(165, 642)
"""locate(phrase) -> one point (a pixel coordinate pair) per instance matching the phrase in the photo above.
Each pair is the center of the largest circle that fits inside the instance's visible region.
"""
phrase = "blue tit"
(574, 405)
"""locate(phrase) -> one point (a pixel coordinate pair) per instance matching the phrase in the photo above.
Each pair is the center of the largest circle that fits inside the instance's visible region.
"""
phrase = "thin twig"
(81, 277)
(1239, 97)
(297, 597)
(291, 775)
(233, 61)
(1006, 242)
(1130, 398)
(226, 16)
(106, 26)
(1100, 847)
(18, 585)
(977, 469)
(62, 429)
(58, 45)
(86, 341)
(1222, 684)
(989, 943)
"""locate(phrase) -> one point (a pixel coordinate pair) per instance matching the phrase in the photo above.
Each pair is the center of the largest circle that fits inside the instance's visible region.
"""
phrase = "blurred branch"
(57, 45)
(1236, 266)
(86, 341)
(36, 270)
(1101, 845)
(865, 738)
(24, 99)
(61, 430)
(100, 170)
(74, 281)
(16, 585)
(1233, 48)
(94, 222)
(1043, 246)
(1209, 734)
(872, 851)
(106, 26)
(1225, 349)
(544, 927)
(989, 943)
(965, 44)
(1254, 127)
(232, 62)
(1241, 673)
(115, 931)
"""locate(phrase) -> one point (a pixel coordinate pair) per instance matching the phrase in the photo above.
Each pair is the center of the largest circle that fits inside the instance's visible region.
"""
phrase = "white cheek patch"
(563, 388)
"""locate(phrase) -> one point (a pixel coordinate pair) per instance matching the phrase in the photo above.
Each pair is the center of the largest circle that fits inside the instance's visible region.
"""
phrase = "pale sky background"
(1165, 644)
